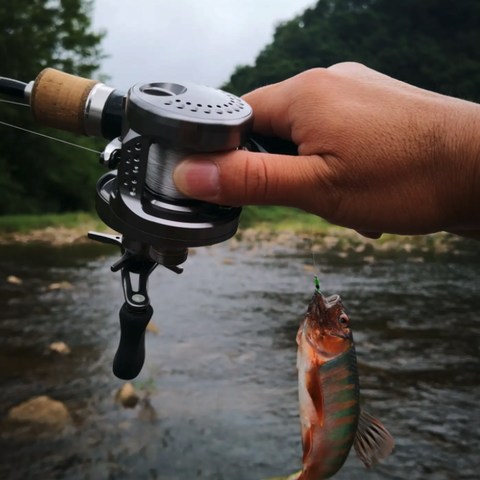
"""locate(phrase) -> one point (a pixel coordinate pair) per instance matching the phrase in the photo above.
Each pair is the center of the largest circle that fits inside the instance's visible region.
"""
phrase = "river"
(219, 381)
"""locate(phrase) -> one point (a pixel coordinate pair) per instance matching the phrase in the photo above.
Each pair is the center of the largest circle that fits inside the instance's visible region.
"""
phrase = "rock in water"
(42, 411)
(60, 286)
(152, 328)
(127, 396)
(59, 347)
(13, 280)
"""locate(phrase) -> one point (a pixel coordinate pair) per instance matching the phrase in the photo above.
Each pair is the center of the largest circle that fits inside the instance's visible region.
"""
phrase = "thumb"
(241, 177)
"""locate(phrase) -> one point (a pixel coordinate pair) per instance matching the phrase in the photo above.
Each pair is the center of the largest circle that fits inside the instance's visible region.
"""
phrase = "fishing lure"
(329, 394)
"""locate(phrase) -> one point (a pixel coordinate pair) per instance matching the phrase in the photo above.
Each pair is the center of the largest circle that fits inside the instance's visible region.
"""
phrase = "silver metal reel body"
(165, 122)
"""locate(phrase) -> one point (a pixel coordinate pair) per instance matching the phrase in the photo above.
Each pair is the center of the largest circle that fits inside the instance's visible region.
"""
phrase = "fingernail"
(198, 179)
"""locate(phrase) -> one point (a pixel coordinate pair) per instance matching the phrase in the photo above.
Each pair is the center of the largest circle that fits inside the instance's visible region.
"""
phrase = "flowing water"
(219, 382)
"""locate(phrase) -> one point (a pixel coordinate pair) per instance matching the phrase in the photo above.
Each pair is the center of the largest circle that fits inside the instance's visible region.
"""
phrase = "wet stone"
(127, 396)
(41, 410)
(59, 347)
(152, 328)
(60, 286)
(13, 280)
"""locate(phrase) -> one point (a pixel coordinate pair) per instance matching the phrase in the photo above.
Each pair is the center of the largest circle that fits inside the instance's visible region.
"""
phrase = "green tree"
(39, 175)
(430, 43)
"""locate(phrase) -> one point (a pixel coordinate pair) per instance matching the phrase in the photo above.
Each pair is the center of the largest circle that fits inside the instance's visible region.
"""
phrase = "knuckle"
(328, 184)
(256, 184)
(347, 67)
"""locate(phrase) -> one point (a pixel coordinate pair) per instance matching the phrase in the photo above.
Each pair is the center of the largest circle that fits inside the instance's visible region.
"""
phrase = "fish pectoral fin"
(314, 389)
(373, 441)
(307, 442)
(293, 476)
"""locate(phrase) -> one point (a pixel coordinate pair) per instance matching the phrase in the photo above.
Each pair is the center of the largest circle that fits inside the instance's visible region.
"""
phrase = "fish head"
(326, 326)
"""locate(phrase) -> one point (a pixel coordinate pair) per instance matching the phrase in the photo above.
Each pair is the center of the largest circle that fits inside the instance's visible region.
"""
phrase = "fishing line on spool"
(160, 166)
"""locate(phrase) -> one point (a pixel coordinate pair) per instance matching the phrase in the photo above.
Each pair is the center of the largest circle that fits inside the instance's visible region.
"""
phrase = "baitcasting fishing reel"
(152, 128)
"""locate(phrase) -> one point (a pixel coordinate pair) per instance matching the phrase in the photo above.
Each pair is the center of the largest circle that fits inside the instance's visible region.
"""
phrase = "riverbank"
(260, 226)
(54, 229)
(67, 228)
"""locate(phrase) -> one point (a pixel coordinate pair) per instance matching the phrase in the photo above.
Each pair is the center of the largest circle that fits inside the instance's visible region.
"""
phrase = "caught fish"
(329, 394)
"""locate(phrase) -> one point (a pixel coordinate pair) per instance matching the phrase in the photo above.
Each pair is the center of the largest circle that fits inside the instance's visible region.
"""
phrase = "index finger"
(271, 106)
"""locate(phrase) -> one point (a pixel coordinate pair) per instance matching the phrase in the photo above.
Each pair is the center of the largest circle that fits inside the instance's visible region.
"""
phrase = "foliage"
(39, 175)
(28, 223)
(47, 33)
(275, 218)
(429, 43)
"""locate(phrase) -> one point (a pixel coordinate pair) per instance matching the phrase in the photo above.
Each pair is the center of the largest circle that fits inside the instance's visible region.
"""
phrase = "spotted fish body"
(329, 394)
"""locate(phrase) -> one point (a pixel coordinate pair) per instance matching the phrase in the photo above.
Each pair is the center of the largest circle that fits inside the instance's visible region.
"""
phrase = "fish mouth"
(321, 303)
(332, 300)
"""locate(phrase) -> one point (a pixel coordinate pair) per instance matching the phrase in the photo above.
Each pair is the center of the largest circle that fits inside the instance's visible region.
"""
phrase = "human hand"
(375, 154)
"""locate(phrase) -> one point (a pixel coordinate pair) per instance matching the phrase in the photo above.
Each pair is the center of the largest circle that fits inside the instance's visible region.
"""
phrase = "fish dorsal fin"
(373, 441)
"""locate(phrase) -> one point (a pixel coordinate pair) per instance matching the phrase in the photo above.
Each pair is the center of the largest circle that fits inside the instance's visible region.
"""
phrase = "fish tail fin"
(373, 441)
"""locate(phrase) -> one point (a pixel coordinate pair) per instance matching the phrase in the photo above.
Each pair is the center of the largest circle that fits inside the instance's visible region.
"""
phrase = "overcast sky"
(192, 40)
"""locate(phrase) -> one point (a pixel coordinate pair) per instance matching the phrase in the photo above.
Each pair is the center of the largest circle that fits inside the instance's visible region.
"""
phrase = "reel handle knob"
(130, 354)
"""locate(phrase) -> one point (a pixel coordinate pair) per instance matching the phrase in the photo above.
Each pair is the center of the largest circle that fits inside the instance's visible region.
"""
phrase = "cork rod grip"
(58, 100)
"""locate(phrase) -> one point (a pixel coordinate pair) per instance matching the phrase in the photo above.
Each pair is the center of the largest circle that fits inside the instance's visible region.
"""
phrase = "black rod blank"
(12, 88)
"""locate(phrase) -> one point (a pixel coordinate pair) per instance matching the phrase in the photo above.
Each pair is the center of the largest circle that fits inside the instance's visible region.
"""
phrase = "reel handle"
(130, 354)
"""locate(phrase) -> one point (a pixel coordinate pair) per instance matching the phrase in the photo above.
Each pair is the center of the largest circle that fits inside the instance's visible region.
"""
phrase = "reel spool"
(164, 123)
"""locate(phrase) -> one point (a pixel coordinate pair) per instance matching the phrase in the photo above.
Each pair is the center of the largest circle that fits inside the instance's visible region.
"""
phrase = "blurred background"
(217, 398)
(238, 46)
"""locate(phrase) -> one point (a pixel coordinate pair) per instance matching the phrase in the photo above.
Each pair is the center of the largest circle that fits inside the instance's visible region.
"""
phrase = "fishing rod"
(150, 129)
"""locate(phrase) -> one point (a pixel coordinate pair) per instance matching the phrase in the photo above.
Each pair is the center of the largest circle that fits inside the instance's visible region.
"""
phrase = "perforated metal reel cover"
(188, 116)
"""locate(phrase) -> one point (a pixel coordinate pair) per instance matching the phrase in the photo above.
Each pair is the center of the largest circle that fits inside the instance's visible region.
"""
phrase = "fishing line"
(14, 103)
(49, 137)
(316, 267)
